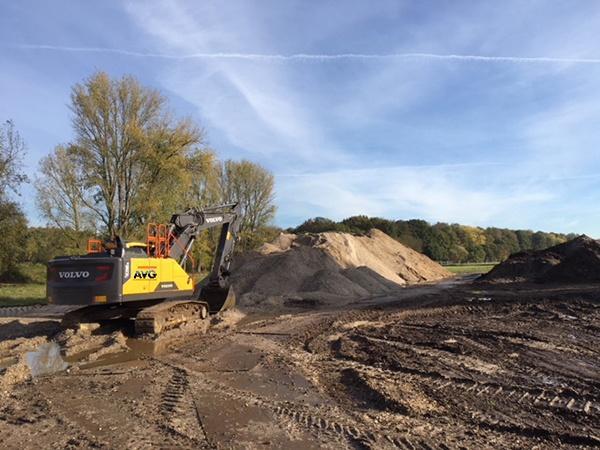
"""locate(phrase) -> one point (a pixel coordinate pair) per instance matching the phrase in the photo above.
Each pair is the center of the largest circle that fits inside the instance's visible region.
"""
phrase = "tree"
(131, 163)
(405, 235)
(457, 253)
(443, 242)
(62, 196)
(316, 225)
(13, 229)
(131, 153)
(45, 243)
(205, 174)
(358, 224)
(252, 185)
(12, 152)
(13, 224)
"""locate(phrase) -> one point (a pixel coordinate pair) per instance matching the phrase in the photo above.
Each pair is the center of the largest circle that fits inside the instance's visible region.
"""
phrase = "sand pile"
(329, 266)
(575, 261)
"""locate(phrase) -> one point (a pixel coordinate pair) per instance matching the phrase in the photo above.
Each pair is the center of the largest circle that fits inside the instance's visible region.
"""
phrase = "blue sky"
(477, 112)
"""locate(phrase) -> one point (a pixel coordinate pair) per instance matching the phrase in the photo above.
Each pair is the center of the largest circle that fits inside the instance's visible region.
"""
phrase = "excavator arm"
(184, 230)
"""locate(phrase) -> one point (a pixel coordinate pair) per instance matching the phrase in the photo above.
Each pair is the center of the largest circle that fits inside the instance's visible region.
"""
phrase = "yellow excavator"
(147, 281)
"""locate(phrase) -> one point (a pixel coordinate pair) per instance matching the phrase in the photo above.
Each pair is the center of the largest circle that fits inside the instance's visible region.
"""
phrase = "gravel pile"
(330, 266)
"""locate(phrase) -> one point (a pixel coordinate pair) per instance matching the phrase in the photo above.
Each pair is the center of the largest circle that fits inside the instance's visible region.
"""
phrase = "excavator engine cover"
(218, 298)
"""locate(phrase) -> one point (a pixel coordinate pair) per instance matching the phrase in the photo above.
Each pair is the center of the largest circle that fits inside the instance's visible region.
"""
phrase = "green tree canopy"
(13, 229)
(443, 242)
(130, 152)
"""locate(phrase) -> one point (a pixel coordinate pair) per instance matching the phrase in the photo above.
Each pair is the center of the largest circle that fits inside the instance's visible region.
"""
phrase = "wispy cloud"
(430, 192)
(308, 57)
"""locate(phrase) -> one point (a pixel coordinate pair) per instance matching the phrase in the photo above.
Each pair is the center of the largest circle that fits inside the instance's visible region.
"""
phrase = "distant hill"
(452, 243)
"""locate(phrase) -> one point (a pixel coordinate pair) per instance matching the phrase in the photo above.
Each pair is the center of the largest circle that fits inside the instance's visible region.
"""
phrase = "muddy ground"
(438, 366)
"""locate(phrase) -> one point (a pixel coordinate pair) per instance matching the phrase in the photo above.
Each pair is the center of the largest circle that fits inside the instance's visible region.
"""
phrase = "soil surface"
(435, 366)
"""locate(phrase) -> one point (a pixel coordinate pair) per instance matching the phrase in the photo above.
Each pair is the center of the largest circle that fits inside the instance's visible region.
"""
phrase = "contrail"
(311, 56)
(400, 167)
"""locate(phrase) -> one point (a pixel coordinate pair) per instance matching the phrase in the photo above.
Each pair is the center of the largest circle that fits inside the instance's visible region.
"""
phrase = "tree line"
(131, 161)
(451, 243)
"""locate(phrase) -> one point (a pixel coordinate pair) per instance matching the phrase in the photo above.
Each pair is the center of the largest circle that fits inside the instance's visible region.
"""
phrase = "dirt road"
(432, 367)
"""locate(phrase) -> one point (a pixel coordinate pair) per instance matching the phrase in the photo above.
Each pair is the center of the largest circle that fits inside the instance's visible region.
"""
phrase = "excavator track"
(168, 315)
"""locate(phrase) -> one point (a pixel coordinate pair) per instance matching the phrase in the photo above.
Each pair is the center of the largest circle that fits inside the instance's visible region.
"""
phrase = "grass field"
(22, 294)
(25, 293)
(464, 269)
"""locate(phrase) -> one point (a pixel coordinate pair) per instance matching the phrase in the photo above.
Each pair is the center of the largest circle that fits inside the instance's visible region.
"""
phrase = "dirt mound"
(575, 261)
(329, 266)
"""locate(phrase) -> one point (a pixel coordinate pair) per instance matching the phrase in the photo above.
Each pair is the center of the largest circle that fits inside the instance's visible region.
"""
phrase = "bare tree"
(12, 151)
(61, 194)
(205, 186)
(253, 186)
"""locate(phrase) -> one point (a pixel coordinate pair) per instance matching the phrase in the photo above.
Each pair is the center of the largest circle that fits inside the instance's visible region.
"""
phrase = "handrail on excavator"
(94, 246)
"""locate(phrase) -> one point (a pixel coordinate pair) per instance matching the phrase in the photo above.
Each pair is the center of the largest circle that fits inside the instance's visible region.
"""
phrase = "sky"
(484, 113)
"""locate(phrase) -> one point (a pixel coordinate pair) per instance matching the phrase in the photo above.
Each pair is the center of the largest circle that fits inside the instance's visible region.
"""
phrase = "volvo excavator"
(147, 281)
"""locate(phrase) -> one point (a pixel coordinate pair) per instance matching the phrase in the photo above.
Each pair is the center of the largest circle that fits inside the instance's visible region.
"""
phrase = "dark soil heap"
(575, 261)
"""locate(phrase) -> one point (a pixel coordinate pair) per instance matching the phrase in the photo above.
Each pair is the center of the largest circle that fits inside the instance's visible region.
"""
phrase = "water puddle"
(137, 349)
(5, 363)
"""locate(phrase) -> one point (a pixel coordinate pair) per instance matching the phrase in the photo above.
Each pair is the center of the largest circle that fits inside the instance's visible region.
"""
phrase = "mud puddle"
(136, 349)
(7, 362)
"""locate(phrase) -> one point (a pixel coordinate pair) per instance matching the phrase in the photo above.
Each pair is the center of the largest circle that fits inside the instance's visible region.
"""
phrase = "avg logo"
(148, 274)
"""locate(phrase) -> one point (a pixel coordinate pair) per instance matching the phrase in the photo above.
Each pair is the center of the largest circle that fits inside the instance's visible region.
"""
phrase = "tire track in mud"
(515, 396)
(308, 337)
(534, 431)
(323, 422)
(372, 314)
(571, 402)
(83, 430)
(41, 413)
(541, 398)
(178, 407)
(304, 415)
(544, 398)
